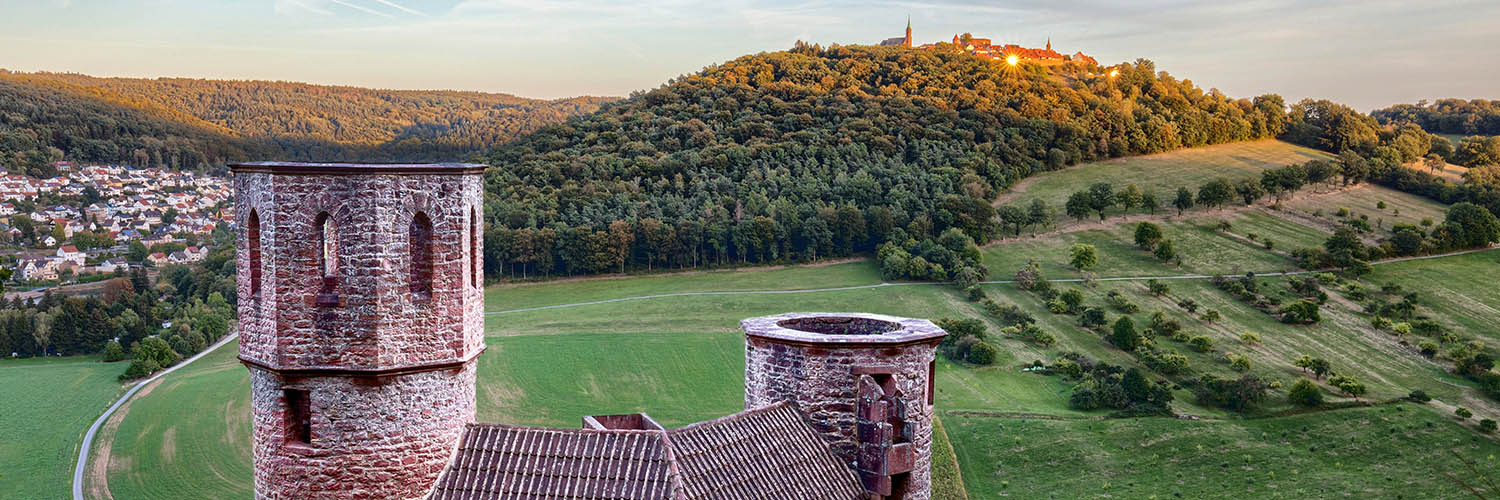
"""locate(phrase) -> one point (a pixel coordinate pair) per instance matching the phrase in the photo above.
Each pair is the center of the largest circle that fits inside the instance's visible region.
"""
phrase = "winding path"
(88, 439)
(933, 283)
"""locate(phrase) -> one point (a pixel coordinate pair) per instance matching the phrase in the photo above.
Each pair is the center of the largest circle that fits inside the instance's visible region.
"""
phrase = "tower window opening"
(328, 243)
(419, 244)
(253, 235)
(298, 416)
(475, 258)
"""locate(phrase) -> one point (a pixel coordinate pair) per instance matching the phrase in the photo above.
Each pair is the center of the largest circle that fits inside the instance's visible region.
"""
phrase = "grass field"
(1164, 173)
(186, 437)
(46, 405)
(1460, 290)
(1400, 208)
(521, 296)
(1393, 451)
(1202, 249)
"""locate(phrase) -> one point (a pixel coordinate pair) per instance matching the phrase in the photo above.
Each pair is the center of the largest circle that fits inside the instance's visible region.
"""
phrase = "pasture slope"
(1012, 433)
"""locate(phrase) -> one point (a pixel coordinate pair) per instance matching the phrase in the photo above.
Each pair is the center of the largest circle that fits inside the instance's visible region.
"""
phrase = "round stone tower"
(863, 381)
(360, 319)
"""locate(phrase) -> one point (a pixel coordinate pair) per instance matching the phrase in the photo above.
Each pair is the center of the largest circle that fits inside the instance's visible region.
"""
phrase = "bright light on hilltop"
(1114, 72)
(1012, 60)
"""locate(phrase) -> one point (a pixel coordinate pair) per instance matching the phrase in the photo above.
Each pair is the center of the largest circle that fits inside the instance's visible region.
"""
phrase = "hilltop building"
(987, 48)
(361, 322)
(900, 41)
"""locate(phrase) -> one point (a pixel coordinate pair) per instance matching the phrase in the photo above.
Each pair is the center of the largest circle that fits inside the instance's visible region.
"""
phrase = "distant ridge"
(188, 123)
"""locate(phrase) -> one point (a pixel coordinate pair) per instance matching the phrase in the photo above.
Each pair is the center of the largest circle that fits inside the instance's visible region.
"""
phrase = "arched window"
(419, 244)
(475, 258)
(253, 235)
(328, 243)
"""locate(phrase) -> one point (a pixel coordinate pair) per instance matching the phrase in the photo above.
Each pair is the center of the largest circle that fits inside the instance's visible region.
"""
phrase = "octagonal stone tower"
(863, 381)
(360, 319)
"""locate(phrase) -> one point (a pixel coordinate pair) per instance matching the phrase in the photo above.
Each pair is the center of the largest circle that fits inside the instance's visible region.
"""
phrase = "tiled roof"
(760, 454)
(766, 453)
(499, 461)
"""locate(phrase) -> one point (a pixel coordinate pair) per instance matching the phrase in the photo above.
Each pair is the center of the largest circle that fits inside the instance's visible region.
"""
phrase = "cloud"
(294, 7)
(401, 8)
(362, 8)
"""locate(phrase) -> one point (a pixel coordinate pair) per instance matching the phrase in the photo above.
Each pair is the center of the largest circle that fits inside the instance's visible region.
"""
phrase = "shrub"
(1250, 338)
(1305, 393)
(113, 352)
(1201, 343)
(1031, 333)
(1428, 348)
(1486, 426)
(1381, 323)
(1419, 396)
(1189, 305)
(1165, 251)
(1239, 363)
(1401, 329)
(140, 368)
(1463, 413)
(1068, 368)
(1092, 317)
(1073, 298)
(1118, 301)
(975, 293)
(982, 353)
(1147, 234)
(1157, 287)
(1057, 306)
(1234, 394)
(1380, 205)
(1343, 212)
(1301, 312)
(1083, 256)
(1212, 315)
(1124, 335)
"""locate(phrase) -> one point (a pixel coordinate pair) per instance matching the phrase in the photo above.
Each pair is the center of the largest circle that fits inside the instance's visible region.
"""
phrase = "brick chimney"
(863, 381)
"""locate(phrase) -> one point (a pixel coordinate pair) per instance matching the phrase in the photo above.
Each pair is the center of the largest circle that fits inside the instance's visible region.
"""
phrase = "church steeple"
(908, 31)
(1049, 43)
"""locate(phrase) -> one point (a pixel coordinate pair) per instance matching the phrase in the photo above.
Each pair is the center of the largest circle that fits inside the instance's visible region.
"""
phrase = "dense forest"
(191, 124)
(813, 153)
(1446, 116)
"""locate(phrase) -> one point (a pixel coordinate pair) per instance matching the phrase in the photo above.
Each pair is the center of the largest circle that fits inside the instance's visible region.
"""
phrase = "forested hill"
(823, 152)
(185, 123)
(1446, 116)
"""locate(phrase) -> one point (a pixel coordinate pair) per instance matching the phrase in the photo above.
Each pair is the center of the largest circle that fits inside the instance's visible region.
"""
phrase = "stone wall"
(821, 373)
(372, 438)
(375, 321)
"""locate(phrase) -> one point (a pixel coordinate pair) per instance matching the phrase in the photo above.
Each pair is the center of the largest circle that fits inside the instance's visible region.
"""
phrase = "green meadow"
(46, 405)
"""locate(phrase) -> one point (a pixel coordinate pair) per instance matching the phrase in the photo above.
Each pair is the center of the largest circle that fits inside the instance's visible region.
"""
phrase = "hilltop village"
(986, 48)
(88, 219)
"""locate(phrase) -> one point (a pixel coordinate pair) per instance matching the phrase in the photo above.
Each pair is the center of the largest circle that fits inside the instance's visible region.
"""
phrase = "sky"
(1368, 53)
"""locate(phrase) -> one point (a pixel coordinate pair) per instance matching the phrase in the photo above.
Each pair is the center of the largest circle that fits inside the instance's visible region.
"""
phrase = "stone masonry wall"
(377, 322)
(372, 438)
(823, 384)
(389, 372)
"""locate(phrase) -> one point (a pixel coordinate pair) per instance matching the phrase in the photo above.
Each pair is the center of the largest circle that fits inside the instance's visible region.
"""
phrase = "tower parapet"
(360, 319)
(863, 381)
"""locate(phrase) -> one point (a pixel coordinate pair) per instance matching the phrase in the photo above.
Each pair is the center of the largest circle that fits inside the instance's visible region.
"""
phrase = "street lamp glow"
(1114, 73)
(1012, 60)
